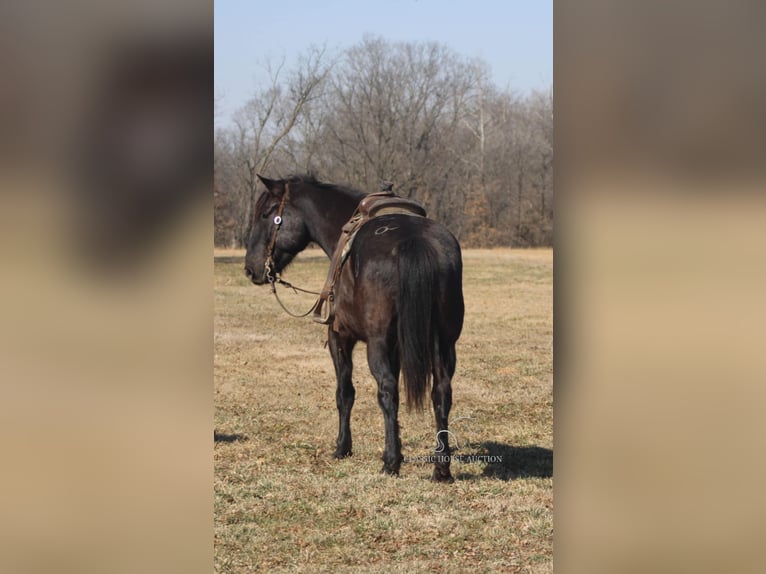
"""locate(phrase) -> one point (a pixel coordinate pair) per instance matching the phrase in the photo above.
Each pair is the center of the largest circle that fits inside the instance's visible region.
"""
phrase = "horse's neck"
(326, 231)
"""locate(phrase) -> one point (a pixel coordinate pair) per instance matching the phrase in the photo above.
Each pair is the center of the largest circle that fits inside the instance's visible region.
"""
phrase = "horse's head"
(278, 232)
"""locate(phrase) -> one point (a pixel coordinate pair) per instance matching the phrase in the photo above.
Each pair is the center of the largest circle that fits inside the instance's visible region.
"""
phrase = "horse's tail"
(416, 304)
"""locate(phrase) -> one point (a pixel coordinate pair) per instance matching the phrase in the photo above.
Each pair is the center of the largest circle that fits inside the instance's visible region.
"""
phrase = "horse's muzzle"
(255, 277)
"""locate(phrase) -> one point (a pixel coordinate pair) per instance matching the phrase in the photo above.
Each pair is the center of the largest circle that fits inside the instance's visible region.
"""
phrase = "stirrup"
(322, 315)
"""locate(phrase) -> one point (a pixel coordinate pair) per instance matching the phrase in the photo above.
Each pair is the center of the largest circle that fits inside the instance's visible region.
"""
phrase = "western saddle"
(373, 205)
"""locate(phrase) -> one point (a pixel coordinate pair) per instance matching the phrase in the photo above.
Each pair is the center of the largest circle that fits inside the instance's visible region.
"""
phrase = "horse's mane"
(310, 180)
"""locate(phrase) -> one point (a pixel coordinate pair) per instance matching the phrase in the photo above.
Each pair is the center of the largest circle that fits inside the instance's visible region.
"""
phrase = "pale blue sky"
(515, 37)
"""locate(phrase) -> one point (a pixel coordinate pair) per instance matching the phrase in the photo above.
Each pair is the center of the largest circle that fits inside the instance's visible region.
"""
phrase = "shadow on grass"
(229, 259)
(222, 437)
(511, 462)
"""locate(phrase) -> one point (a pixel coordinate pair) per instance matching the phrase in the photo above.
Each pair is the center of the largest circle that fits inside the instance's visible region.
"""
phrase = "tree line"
(479, 158)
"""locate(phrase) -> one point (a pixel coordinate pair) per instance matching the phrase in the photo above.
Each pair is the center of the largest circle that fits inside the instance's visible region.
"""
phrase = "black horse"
(400, 291)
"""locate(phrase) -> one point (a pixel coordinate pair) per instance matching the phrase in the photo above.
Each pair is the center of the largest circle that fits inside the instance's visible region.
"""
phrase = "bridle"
(270, 276)
(274, 278)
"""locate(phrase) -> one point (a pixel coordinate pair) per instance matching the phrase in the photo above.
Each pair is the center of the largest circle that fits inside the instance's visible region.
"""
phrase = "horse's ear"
(275, 187)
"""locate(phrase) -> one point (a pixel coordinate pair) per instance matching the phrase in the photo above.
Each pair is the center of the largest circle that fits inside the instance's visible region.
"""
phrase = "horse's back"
(379, 238)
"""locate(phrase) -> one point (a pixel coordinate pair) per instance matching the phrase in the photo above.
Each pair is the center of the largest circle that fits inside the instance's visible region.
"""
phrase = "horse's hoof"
(390, 471)
(339, 454)
(440, 477)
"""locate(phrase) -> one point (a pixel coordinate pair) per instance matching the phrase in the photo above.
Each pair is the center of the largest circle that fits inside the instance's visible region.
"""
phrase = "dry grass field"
(283, 504)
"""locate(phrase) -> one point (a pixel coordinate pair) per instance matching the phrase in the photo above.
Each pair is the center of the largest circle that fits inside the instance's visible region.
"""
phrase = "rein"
(278, 279)
(274, 278)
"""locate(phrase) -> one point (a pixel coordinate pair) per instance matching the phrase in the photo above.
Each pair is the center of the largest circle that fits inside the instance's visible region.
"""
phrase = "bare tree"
(225, 215)
(417, 114)
(265, 121)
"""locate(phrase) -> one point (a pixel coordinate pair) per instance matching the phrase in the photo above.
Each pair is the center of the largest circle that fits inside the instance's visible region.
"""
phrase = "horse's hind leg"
(341, 349)
(384, 365)
(441, 396)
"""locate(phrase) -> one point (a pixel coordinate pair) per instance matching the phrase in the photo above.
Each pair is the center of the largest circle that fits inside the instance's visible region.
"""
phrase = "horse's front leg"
(385, 368)
(341, 349)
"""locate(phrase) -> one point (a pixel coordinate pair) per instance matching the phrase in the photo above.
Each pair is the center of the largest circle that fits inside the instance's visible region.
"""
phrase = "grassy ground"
(282, 504)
